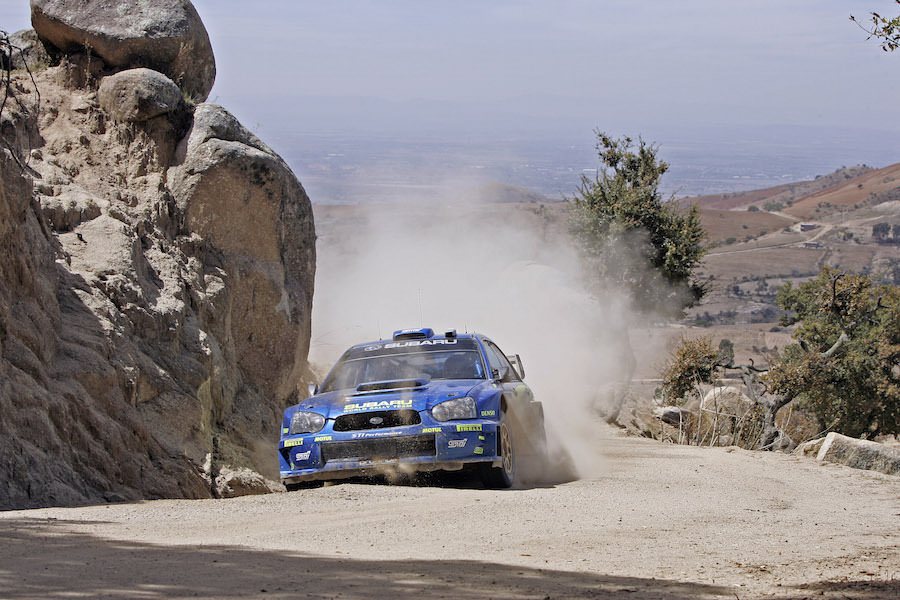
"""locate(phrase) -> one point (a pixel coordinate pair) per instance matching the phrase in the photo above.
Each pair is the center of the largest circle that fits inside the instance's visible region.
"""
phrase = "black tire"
(303, 485)
(505, 475)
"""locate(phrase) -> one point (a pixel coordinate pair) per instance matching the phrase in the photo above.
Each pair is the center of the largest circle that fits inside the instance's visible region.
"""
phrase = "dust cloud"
(499, 269)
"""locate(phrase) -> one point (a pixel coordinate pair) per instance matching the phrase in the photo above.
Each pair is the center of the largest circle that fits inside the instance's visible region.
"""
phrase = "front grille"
(376, 420)
(380, 448)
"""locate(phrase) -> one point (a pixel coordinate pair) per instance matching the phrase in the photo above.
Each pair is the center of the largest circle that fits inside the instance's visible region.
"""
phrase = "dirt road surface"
(654, 521)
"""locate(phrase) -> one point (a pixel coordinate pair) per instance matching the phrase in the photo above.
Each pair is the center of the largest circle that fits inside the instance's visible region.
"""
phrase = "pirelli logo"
(293, 442)
(468, 427)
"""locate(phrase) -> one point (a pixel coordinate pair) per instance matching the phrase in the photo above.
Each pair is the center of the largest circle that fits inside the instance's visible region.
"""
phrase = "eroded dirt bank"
(655, 522)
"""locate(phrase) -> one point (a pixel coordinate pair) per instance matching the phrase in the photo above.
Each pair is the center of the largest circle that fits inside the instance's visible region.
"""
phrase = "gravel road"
(654, 521)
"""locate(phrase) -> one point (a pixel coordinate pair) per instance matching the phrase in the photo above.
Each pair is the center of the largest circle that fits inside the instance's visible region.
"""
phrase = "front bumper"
(332, 455)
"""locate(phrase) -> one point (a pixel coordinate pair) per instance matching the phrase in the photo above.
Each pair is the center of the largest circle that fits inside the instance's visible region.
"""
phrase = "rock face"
(164, 35)
(156, 279)
(138, 95)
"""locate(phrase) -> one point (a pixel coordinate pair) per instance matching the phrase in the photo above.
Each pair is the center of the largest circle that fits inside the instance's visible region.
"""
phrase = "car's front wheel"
(504, 475)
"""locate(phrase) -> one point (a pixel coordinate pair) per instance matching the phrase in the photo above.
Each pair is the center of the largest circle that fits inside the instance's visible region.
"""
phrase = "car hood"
(417, 395)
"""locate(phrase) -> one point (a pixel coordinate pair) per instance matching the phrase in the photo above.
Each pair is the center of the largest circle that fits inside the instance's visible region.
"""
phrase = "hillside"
(867, 189)
(828, 221)
(721, 225)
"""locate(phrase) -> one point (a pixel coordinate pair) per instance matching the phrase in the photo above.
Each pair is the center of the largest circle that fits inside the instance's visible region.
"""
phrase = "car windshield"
(432, 364)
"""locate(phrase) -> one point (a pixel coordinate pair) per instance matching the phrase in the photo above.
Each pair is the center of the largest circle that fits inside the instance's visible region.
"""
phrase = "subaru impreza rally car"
(416, 402)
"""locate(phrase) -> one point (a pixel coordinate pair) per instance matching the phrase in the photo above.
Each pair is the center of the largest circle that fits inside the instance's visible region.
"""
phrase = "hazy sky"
(529, 66)
(692, 61)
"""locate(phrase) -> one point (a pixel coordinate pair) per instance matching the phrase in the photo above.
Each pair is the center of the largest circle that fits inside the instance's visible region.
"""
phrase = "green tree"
(884, 29)
(845, 367)
(629, 237)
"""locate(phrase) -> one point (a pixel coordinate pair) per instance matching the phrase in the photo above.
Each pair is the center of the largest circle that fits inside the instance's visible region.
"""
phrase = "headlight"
(458, 408)
(306, 422)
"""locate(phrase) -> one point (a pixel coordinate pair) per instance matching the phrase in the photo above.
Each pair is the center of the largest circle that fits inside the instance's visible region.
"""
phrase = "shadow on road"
(44, 559)
(41, 559)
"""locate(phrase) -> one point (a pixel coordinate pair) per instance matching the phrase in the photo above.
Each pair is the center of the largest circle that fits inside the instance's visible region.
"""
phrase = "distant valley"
(358, 167)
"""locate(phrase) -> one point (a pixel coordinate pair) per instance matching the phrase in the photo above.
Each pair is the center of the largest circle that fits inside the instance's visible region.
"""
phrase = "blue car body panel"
(388, 423)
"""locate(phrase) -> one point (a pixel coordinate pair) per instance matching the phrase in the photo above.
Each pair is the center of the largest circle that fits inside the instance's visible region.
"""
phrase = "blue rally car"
(417, 402)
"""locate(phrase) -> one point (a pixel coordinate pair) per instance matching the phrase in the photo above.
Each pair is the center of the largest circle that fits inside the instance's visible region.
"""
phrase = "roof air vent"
(413, 334)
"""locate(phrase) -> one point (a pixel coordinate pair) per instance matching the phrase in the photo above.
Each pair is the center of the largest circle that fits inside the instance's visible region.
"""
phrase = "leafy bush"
(692, 362)
(846, 366)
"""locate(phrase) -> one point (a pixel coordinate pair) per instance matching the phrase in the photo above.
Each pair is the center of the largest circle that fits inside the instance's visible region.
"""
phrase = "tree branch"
(842, 339)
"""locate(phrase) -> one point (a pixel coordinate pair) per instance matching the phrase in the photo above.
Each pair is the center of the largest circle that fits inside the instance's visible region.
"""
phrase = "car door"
(526, 413)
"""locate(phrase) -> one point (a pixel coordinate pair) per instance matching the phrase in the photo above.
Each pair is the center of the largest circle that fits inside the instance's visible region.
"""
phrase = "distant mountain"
(784, 194)
(749, 214)
(869, 188)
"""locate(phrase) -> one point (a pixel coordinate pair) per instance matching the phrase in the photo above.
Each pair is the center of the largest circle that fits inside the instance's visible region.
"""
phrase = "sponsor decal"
(457, 443)
(303, 455)
(468, 427)
(378, 434)
(293, 442)
(285, 430)
(489, 413)
(410, 344)
(323, 438)
(383, 405)
(431, 430)
(478, 450)
(480, 438)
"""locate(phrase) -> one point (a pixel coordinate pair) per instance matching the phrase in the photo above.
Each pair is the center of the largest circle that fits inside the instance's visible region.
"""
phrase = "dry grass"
(764, 262)
(740, 224)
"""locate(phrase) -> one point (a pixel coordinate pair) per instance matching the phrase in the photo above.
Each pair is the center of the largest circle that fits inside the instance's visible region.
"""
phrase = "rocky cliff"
(156, 264)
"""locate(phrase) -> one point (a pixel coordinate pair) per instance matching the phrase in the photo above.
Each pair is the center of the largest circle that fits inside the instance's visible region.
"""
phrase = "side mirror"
(502, 374)
(312, 388)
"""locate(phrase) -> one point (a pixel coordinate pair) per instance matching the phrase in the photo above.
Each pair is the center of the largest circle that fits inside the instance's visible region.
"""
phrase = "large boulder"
(138, 95)
(671, 415)
(859, 454)
(244, 201)
(164, 35)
